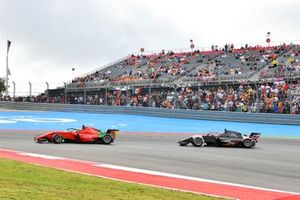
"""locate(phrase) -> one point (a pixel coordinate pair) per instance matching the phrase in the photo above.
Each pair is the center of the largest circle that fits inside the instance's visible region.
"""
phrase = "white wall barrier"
(270, 118)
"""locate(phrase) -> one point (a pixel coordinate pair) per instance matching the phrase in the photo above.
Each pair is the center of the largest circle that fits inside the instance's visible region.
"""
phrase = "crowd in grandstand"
(214, 64)
(272, 63)
(276, 98)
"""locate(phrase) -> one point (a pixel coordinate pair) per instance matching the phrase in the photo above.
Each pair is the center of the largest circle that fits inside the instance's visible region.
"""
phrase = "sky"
(50, 37)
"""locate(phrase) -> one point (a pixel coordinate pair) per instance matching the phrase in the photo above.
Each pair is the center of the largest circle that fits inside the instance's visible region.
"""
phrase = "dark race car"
(83, 135)
(228, 138)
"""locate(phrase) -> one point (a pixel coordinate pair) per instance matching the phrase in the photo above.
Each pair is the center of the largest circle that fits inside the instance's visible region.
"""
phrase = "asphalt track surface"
(274, 163)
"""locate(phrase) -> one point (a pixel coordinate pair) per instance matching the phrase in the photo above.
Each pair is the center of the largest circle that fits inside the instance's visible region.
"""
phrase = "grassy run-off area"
(24, 181)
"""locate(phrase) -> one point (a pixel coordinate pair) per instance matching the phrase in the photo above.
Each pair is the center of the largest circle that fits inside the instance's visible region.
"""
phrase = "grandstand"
(246, 64)
(247, 79)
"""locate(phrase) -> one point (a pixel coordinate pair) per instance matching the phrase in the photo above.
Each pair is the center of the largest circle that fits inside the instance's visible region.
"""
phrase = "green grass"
(24, 181)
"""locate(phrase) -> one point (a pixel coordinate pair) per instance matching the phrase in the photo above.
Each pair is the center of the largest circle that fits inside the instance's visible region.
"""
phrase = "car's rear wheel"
(107, 139)
(57, 139)
(247, 143)
(198, 142)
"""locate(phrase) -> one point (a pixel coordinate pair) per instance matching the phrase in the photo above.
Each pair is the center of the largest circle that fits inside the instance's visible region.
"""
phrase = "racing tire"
(57, 139)
(107, 139)
(247, 143)
(77, 138)
(197, 142)
(218, 143)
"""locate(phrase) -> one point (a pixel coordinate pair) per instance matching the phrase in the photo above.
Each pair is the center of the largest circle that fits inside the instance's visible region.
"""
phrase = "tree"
(2, 85)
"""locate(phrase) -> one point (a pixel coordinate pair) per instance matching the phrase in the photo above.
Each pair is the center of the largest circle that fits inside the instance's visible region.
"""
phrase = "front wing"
(186, 141)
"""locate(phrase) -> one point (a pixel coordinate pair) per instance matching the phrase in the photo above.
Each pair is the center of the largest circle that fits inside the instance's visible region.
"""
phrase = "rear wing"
(254, 136)
(116, 131)
(113, 132)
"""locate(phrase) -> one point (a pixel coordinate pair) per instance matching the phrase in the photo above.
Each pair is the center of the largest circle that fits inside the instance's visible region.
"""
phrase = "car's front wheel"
(247, 143)
(57, 139)
(107, 139)
(197, 142)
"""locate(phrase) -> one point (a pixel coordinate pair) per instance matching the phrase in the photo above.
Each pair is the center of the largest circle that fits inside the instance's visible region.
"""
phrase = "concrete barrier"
(269, 118)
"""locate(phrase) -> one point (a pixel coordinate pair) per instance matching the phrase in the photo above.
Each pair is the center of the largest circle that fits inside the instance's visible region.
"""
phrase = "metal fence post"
(290, 99)
(150, 98)
(106, 93)
(47, 92)
(84, 96)
(227, 88)
(199, 96)
(127, 94)
(14, 90)
(175, 96)
(65, 93)
(30, 88)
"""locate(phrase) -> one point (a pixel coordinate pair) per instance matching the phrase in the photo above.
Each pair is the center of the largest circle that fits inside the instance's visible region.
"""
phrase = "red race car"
(84, 135)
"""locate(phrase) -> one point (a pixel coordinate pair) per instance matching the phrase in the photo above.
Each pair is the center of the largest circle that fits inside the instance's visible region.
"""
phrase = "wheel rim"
(106, 139)
(198, 141)
(248, 143)
(58, 139)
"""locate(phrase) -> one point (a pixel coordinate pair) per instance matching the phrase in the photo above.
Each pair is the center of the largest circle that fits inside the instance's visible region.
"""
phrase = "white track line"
(41, 156)
(144, 171)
